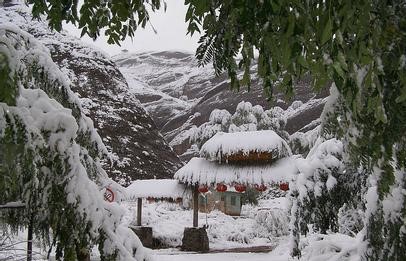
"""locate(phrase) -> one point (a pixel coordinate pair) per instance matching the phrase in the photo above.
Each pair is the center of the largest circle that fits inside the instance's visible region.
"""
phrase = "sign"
(109, 195)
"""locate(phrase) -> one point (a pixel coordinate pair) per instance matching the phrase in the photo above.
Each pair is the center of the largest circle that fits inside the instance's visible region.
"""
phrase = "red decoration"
(260, 188)
(284, 186)
(203, 188)
(240, 188)
(221, 187)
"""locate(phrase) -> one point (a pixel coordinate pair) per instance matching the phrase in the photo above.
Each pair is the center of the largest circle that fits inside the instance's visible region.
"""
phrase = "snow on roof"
(155, 188)
(223, 144)
(202, 171)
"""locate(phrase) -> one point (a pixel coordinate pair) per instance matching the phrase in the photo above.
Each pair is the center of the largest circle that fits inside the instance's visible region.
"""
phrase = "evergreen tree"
(50, 158)
(245, 118)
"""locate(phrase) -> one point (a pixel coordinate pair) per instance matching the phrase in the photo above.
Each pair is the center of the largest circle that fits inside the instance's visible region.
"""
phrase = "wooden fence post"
(139, 211)
(195, 206)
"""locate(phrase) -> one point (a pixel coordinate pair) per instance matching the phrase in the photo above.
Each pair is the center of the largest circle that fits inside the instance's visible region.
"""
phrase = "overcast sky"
(171, 33)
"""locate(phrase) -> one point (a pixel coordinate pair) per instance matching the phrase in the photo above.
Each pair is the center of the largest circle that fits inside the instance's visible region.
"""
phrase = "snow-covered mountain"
(138, 149)
(178, 94)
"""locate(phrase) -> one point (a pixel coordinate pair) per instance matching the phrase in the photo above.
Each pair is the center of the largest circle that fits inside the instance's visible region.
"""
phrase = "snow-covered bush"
(350, 220)
(272, 223)
(245, 118)
(50, 157)
(316, 184)
(240, 237)
(301, 143)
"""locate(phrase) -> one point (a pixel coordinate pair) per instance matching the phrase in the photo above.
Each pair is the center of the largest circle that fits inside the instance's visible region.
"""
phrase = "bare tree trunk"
(29, 241)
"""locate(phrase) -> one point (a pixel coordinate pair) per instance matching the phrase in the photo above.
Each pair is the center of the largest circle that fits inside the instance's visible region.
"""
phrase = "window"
(202, 200)
(233, 200)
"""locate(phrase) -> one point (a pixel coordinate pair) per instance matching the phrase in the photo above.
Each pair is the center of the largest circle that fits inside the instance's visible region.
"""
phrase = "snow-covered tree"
(245, 118)
(50, 158)
(328, 186)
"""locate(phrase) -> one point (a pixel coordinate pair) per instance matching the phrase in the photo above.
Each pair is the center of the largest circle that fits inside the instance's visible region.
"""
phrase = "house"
(228, 202)
(230, 162)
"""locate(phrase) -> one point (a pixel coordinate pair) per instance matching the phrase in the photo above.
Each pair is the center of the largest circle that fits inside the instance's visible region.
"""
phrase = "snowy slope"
(137, 148)
(178, 94)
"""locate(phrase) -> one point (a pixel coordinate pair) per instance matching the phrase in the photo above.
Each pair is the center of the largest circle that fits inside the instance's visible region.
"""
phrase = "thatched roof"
(155, 188)
(263, 145)
(202, 171)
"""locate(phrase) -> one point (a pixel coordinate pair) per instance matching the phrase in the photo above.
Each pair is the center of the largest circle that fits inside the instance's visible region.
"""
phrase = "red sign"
(109, 195)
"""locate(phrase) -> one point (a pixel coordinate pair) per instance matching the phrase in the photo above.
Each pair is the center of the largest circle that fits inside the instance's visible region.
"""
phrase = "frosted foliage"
(242, 127)
(317, 169)
(350, 220)
(272, 223)
(244, 107)
(245, 118)
(219, 116)
(277, 112)
(296, 104)
(258, 111)
(60, 159)
(244, 114)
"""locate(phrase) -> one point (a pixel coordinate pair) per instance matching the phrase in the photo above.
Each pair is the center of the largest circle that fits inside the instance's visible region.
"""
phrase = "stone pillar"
(195, 239)
(145, 235)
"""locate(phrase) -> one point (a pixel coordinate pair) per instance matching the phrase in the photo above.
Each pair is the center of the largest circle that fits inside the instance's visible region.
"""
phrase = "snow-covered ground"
(260, 225)
(263, 225)
(168, 256)
(315, 247)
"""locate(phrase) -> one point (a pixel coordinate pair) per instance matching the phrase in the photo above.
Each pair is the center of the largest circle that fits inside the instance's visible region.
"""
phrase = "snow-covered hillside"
(127, 130)
(178, 94)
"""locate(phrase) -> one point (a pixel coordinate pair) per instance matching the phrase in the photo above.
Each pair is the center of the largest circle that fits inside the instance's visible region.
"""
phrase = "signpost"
(109, 195)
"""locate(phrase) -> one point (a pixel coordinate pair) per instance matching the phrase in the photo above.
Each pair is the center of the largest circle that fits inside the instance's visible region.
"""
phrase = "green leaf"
(8, 90)
(84, 31)
(338, 69)
(302, 61)
(327, 32)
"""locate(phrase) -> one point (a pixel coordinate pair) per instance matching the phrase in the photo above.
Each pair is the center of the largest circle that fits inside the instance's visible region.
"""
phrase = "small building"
(230, 162)
(228, 202)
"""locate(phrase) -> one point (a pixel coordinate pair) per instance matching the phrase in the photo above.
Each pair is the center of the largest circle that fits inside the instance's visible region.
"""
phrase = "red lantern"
(260, 188)
(203, 188)
(221, 187)
(284, 186)
(240, 188)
